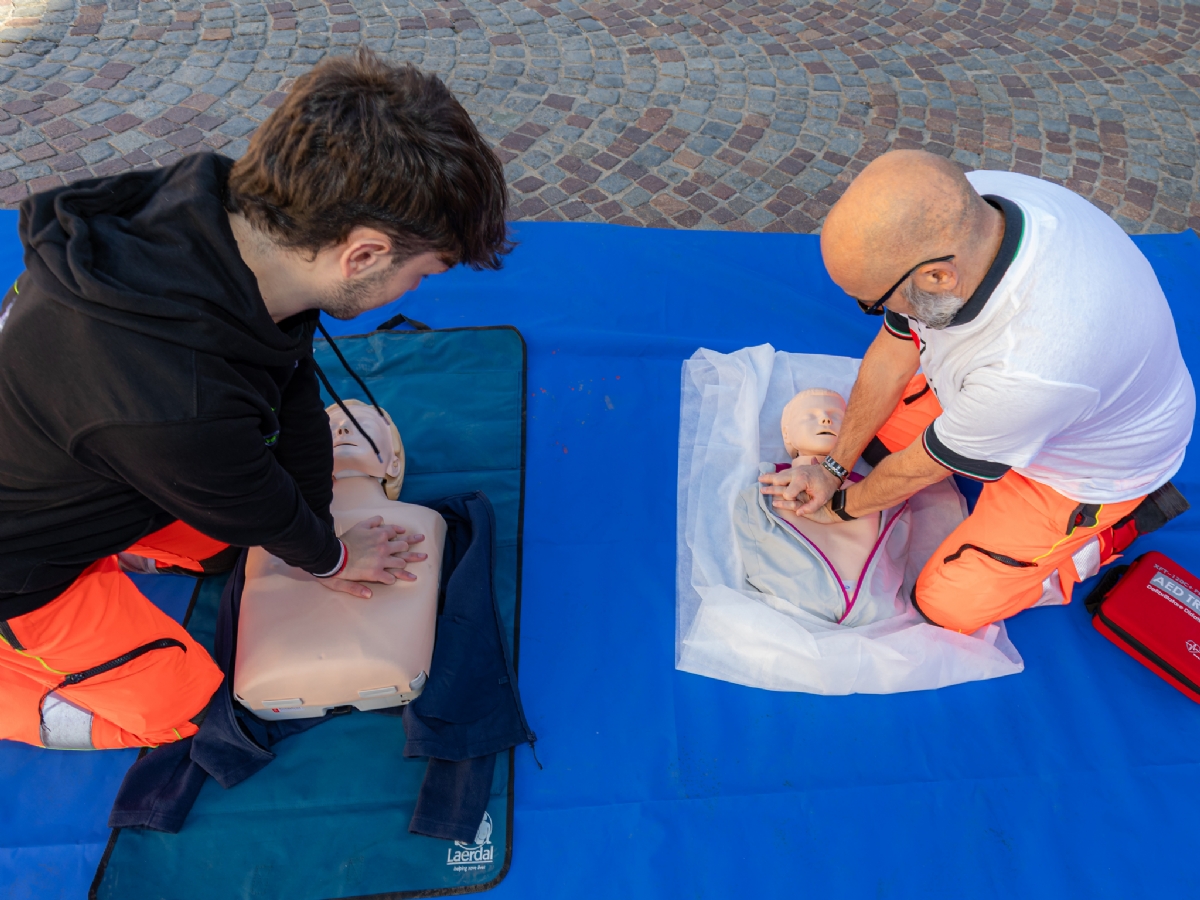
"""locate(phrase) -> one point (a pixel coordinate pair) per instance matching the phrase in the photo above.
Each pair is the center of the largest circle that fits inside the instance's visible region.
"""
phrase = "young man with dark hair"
(158, 395)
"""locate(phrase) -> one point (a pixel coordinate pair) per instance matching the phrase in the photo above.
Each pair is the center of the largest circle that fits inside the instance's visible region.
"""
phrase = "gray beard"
(935, 311)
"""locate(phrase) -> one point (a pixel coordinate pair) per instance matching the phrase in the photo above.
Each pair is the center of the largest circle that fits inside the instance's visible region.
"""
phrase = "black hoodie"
(142, 380)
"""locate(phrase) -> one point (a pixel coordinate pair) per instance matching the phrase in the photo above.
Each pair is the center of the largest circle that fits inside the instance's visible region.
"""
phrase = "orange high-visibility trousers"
(100, 666)
(1024, 544)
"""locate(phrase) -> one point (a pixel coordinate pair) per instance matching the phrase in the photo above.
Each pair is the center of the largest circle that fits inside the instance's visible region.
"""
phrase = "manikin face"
(352, 455)
(811, 423)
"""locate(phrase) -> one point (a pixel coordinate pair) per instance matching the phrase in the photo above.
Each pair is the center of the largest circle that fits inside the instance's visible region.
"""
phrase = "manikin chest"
(847, 545)
(303, 649)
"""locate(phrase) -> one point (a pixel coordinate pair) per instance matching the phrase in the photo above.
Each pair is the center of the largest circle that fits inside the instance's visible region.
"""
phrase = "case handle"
(401, 319)
(1100, 592)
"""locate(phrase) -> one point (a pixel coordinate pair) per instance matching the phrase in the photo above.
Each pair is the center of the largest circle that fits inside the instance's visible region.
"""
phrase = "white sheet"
(729, 420)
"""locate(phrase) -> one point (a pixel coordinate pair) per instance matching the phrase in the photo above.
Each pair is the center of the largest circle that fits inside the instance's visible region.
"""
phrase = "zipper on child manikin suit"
(849, 599)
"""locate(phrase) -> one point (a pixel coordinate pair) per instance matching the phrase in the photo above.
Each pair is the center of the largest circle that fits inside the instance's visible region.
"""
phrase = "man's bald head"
(904, 207)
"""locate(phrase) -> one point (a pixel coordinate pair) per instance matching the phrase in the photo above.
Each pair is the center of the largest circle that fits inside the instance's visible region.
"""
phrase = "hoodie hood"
(153, 253)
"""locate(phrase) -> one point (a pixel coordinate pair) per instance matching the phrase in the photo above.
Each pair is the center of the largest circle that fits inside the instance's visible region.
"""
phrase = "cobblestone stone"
(733, 115)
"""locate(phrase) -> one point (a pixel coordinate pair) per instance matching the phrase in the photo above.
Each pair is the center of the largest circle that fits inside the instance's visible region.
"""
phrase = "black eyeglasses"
(876, 308)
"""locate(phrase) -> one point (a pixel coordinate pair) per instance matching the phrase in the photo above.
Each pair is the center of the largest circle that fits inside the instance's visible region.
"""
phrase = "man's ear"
(365, 250)
(939, 277)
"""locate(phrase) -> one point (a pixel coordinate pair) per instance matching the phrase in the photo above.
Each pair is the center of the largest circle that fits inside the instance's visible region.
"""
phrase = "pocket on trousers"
(990, 554)
(115, 663)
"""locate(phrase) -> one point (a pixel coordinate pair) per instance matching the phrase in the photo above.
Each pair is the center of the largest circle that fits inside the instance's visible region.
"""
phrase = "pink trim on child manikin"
(836, 576)
(850, 601)
(871, 556)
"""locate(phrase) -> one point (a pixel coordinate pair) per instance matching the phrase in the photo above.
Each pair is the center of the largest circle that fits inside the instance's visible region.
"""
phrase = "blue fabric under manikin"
(469, 711)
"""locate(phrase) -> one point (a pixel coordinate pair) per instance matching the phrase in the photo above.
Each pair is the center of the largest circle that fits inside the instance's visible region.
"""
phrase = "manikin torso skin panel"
(846, 544)
(786, 565)
(302, 648)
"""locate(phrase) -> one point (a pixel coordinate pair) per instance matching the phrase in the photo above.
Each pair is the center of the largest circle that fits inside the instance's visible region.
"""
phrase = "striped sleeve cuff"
(896, 325)
(979, 469)
(343, 556)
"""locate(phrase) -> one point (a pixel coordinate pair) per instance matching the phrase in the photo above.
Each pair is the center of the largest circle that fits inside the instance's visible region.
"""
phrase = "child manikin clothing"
(782, 563)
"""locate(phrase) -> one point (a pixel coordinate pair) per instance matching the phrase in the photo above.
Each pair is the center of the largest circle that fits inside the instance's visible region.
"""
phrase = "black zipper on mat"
(1147, 652)
(160, 644)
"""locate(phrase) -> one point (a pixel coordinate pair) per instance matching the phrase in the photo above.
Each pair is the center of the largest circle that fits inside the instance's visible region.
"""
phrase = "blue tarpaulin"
(1076, 778)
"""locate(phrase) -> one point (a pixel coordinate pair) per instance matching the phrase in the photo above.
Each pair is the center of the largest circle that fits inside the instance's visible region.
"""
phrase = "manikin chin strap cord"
(338, 400)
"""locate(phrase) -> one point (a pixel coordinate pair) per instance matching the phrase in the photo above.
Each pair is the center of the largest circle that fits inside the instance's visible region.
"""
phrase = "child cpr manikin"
(755, 602)
(303, 649)
(831, 570)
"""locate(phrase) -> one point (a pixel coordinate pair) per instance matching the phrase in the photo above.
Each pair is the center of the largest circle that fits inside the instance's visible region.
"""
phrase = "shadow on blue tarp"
(1077, 778)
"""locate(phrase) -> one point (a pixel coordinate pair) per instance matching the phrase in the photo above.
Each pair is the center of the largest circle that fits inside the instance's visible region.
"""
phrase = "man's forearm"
(894, 480)
(887, 367)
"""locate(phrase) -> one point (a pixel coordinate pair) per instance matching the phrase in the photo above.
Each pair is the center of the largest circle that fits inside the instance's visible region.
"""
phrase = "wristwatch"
(835, 468)
(837, 505)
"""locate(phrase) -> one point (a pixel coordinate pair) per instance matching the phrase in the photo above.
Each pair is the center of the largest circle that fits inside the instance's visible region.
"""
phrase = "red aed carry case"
(1151, 610)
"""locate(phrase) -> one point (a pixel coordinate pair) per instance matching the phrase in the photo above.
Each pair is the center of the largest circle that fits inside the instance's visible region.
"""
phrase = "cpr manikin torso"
(848, 573)
(810, 424)
(303, 649)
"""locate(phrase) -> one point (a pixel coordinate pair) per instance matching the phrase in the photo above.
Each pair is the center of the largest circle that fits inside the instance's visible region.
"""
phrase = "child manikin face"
(811, 423)
(352, 453)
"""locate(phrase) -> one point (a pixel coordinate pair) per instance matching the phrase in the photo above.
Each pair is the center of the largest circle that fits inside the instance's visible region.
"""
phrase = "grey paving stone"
(773, 107)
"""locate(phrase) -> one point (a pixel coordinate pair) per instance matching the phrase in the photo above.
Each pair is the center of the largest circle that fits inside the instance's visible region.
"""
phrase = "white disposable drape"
(729, 421)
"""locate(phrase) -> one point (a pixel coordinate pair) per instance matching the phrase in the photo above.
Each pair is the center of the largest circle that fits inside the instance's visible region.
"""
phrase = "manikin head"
(811, 422)
(353, 456)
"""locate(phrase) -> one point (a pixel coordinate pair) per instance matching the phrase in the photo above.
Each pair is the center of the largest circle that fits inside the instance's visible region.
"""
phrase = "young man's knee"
(139, 718)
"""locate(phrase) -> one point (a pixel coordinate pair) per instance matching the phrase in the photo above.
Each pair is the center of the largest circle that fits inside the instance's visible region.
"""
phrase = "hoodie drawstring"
(338, 400)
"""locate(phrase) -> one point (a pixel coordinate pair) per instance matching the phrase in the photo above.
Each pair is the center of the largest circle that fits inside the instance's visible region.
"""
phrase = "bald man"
(1049, 370)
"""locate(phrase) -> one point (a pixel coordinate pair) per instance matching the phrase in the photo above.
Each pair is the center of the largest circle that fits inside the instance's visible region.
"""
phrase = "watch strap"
(837, 505)
(835, 468)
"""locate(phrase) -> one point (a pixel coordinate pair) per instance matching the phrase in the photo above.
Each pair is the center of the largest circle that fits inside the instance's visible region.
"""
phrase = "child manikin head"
(811, 422)
(352, 455)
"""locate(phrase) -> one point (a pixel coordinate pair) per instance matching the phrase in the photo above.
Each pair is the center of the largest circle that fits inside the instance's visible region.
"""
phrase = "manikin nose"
(343, 429)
